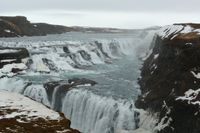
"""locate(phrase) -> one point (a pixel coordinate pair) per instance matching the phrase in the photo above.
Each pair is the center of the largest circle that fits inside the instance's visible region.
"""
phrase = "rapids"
(112, 60)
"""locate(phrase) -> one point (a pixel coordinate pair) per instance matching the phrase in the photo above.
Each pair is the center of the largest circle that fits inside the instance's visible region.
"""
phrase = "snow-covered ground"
(172, 31)
(21, 114)
(25, 107)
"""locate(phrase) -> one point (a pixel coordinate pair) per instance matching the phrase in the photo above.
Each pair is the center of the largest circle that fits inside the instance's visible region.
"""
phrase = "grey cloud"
(114, 13)
(103, 5)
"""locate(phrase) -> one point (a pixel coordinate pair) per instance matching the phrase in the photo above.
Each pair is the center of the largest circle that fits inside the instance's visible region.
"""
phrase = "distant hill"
(19, 26)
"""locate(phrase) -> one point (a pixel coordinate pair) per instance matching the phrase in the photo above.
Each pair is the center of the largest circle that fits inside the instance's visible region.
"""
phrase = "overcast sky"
(105, 13)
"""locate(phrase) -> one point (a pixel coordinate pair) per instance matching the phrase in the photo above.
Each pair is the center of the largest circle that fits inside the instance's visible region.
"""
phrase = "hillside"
(20, 26)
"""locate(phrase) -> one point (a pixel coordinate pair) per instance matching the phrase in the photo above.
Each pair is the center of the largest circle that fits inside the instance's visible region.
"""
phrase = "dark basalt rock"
(44, 28)
(66, 50)
(56, 90)
(15, 55)
(166, 75)
(85, 55)
(19, 54)
(15, 70)
(50, 87)
(50, 64)
(99, 45)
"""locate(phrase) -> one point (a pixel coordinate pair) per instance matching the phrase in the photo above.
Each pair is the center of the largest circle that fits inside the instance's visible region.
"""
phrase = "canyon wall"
(170, 79)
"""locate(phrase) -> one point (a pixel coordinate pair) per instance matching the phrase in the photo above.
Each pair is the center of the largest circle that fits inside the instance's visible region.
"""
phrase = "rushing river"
(112, 60)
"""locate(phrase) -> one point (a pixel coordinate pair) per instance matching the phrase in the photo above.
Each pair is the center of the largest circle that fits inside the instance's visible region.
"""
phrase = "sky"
(127, 14)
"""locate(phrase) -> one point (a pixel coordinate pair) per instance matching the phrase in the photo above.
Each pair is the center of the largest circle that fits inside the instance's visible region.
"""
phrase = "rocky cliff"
(170, 79)
(20, 26)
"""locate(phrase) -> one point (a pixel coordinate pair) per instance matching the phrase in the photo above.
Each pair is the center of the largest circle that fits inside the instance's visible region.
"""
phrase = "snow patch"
(7, 69)
(169, 30)
(149, 52)
(86, 85)
(188, 44)
(196, 75)
(7, 60)
(187, 29)
(190, 97)
(8, 31)
(173, 30)
(156, 56)
(166, 120)
(2, 51)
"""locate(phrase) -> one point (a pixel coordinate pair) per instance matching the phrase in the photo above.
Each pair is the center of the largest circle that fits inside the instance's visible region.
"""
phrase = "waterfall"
(88, 112)
(38, 93)
(65, 55)
(91, 113)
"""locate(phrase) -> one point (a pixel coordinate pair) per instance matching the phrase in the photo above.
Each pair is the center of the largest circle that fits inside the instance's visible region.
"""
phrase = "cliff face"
(171, 79)
(20, 26)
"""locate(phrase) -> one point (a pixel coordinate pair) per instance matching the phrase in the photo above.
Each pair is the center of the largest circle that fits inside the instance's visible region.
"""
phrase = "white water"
(38, 93)
(105, 108)
(94, 114)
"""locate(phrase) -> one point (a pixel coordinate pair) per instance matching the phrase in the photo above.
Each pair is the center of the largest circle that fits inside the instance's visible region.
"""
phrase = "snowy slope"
(27, 115)
(25, 106)
(173, 31)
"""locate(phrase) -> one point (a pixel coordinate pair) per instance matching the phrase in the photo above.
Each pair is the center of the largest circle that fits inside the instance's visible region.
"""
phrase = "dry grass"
(188, 36)
(24, 124)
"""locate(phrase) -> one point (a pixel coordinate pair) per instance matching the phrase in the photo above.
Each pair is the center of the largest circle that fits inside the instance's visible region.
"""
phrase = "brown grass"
(24, 124)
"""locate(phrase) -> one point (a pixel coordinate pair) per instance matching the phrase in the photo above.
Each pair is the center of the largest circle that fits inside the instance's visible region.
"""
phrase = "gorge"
(110, 81)
(170, 79)
(84, 75)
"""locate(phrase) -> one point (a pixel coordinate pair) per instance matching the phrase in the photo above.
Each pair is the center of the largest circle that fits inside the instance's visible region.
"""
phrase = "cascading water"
(95, 114)
(112, 60)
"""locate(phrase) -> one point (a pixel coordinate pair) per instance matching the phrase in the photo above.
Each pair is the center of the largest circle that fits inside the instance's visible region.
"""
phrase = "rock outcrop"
(170, 79)
(12, 60)
(12, 55)
(21, 114)
(20, 26)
